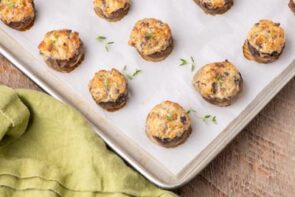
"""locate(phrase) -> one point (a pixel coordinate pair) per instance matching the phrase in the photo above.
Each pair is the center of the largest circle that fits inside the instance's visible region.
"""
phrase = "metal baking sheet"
(208, 39)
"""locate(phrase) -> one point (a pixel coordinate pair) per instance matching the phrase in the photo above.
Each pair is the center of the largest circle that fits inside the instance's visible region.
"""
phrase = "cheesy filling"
(150, 36)
(168, 120)
(108, 7)
(108, 86)
(267, 37)
(218, 80)
(16, 10)
(214, 3)
(60, 44)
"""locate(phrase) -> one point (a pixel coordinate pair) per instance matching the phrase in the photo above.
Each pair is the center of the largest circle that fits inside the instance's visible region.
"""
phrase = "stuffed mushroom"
(62, 50)
(152, 38)
(265, 42)
(168, 124)
(218, 83)
(109, 89)
(18, 14)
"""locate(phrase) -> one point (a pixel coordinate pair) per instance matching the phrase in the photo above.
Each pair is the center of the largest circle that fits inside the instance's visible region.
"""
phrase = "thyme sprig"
(132, 75)
(206, 118)
(104, 40)
(190, 111)
(184, 62)
(209, 118)
(107, 46)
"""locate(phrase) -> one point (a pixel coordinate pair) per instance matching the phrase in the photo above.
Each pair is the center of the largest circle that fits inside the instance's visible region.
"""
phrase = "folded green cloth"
(48, 149)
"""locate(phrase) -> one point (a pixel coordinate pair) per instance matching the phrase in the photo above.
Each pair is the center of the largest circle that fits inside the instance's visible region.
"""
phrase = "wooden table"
(259, 162)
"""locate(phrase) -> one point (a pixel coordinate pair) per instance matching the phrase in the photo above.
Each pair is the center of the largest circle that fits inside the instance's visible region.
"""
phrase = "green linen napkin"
(48, 149)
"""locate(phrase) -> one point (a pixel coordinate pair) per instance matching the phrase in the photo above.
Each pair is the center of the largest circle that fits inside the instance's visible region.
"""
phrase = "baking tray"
(145, 163)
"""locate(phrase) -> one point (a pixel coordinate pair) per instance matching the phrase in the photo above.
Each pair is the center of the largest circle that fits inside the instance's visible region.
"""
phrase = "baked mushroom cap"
(218, 83)
(152, 38)
(292, 5)
(265, 42)
(62, 49)
(109, 89)
(112, 10)
(215, 6)
(168, 124)
(17, 14)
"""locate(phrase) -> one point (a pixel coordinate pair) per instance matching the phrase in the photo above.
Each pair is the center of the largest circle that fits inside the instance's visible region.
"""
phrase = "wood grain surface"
(259, 162)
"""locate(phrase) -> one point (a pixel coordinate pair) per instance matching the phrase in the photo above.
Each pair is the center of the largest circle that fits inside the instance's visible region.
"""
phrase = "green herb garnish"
(169, 117)
(219, 78)
(131, 76)
(214, 120)
(209, 118)
(184, 62)
(103, 39)
(193, 64)
(148, 35)
(107, 46)
(190, 111)
(54, 40)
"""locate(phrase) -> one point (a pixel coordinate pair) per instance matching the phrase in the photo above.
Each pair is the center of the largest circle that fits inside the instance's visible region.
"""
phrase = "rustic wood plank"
(259, 162)
(10, 76)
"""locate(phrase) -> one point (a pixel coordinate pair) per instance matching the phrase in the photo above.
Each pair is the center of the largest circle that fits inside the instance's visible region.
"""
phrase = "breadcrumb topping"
(60, 44)
(107, 86)
(167, 120)
(219, 80)
(267, 37)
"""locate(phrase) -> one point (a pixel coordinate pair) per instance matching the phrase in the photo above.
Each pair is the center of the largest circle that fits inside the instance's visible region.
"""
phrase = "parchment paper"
(206, 38)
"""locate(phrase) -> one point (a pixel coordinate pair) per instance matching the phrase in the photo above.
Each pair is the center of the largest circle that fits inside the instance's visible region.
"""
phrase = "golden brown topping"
(218, 81)
(267, 37)
(167, 120)
(150, 36)
(16, 10)
(110, 6)
(60, 44)
(107, 86)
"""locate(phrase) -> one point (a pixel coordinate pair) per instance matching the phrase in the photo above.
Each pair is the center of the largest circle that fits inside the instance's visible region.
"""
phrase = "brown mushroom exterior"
(214, 7)
(152, 38)
(265, 42)
(292, 5)
(168, 125)
(109, 89)
(18, 14)
(111, 10)
(218, 83)
(62, 50)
